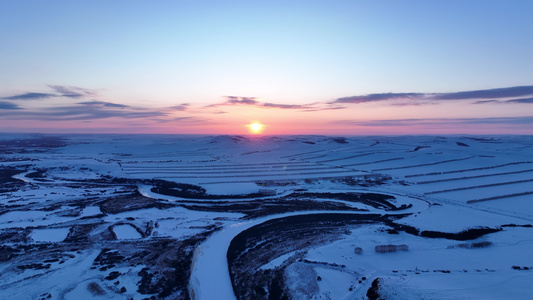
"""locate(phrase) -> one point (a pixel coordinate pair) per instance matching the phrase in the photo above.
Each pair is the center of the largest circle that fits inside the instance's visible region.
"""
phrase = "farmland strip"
(471, 177)
(478, 186)
(423, 165)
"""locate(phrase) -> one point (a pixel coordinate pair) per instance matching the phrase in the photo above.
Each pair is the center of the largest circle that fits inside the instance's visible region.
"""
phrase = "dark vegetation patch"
(262, 243)
(95, 289)
(37, 266)
(14, 235)
(167, 264)
(373, 292)
(190, 191)
(465, 235)
(420, 147)
(259, 208)
(113, 275)
(108, 258)
(461, 144)
(37, 256)
(379, 201)
(80, 233)
(7, 182)
(128, 202)
(297, 202)
(340, 140)
(255, 208)
(365, 181)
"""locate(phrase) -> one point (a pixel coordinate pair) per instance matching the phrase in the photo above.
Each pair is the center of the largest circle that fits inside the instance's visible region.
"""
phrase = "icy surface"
(126, 232)
(49, 235)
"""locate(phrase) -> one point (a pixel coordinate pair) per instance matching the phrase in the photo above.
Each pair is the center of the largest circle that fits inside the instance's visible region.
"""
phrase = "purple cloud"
(8, 105)
(379, 97)
(241, 100)
(522, 100)
(104, 104)
(60, 91)
(493, 94)
(180, 107)
(252, 101)
(73, 92)
(438, 121)
(30, 96)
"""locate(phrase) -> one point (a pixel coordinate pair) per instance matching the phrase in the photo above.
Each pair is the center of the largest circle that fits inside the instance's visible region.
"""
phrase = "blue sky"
(162, 54)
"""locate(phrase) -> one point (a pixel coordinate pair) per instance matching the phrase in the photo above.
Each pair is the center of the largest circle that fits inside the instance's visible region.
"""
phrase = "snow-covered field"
(264, 217)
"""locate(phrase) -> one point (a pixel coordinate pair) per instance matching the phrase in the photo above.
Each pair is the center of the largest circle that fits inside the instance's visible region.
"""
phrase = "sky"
(298, 67)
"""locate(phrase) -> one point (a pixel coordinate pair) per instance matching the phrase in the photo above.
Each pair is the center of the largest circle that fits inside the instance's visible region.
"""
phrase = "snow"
(447, 218)
(49, 235)
(276, 262)
(90, 211)
(231, 188)
(335, 284)
(30, 218)
(45, 211)
(126, 231)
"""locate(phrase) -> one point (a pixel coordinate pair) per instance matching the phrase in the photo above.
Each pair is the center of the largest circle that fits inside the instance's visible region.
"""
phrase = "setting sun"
(255, 127)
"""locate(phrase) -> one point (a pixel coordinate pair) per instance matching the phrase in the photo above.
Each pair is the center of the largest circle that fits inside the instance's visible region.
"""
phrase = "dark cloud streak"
(104, 104)
(439, 121)
(508, 92)
(521, 100)
(379, 97)
(493, 94)
(8, 105)
(30, 96)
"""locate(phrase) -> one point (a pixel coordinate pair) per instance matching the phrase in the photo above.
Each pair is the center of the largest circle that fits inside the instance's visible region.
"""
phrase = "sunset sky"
(298, 67)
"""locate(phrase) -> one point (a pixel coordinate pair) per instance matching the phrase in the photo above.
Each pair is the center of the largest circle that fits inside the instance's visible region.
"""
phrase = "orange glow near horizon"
(255, 127)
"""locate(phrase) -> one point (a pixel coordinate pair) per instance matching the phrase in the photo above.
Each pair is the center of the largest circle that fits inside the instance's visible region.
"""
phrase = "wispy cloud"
(83, 111)
(254, 102)
(379, 97)
(522, 100)
(230, 100)
(8, 105)
(180, 107)
(103, 104)
(438, 121)
(283, 106)
(488, 101)
(86, 110)
(73, 91)
(510, 101)
(516, 91)
(415, 98)
(188, 120)
(59, 91)
(327, 107)
(30, 96)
